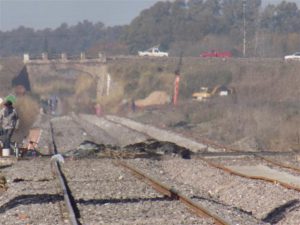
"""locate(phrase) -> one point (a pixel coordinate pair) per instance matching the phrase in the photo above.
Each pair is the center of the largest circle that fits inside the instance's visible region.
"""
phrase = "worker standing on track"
(9, 121)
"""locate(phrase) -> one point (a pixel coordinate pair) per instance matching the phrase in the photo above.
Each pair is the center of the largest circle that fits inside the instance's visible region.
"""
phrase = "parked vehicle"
(153, 52)
(295, 56)
(216, 54)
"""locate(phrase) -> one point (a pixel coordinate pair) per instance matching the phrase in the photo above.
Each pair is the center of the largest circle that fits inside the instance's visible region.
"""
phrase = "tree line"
(190, 26)
(68, 39)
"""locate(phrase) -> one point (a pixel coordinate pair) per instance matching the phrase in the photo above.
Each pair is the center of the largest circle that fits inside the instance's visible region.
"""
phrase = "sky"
(41, 14)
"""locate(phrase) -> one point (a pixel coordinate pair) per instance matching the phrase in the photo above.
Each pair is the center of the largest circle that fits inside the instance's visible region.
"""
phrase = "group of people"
(9, 121)
(49, 106)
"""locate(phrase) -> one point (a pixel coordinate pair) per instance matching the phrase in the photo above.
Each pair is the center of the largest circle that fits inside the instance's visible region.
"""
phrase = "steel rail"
(262, 155)
(174, 194)
(295, 169)
(226, 169)
(241, 154)
(63, 182)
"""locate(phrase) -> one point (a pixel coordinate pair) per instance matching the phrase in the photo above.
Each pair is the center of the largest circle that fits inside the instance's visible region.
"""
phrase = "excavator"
(207, 93)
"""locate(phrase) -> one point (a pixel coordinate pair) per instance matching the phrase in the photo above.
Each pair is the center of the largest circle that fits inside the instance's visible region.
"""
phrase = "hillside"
(262, 114)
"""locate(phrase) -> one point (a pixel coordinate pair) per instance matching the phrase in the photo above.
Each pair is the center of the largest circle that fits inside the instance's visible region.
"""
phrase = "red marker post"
(176, 89)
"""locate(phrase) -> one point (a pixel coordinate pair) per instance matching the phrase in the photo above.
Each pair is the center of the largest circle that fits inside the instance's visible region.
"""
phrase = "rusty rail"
(218, 166)
(174, 194)
(69, 200)
(261, 155)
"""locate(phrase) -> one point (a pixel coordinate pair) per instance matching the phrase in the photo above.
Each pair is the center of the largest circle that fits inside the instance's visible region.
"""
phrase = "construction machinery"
(206, 93)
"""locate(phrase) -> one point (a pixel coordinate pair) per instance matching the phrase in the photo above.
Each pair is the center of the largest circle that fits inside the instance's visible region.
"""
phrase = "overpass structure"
(82, 79)
(63, 58)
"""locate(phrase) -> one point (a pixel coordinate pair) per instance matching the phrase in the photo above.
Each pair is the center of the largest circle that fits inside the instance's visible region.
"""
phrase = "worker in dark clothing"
(9, 121)
(133, 106)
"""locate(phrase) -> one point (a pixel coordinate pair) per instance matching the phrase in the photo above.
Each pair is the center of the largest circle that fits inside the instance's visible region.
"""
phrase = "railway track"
(220, 153)
(138, 131)
(114, 196)
(104, 192)
(96, 198)
(290, 164)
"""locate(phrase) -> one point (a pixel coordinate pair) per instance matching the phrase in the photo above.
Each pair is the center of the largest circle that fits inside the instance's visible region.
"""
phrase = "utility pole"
(177, 80)
(176, 89)
(244, 25)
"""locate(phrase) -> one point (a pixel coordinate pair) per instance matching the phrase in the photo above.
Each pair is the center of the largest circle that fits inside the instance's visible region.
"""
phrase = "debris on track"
(151, 148)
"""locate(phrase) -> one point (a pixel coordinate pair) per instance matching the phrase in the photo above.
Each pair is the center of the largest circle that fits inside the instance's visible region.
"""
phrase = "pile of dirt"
(153, 146)
(155, 98)
(85, 149)
(149, 149)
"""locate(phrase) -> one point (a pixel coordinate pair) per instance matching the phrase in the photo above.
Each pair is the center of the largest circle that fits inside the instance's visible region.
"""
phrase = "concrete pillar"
(82, 56)
(108, 82)
(44, 56)
(102, 82)
(26, 58)
(102, 57)
(64, 57)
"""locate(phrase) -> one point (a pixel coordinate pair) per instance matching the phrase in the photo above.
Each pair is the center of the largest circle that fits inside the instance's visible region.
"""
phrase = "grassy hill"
(264, 112)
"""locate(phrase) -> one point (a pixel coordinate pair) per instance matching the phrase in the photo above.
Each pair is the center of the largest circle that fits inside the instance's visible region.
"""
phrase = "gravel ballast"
(107, 194)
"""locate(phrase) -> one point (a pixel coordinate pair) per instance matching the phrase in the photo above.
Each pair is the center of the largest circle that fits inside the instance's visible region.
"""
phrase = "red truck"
(215, 54)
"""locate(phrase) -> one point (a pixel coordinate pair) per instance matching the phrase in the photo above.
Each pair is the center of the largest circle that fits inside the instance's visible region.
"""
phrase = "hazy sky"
(40, 14)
